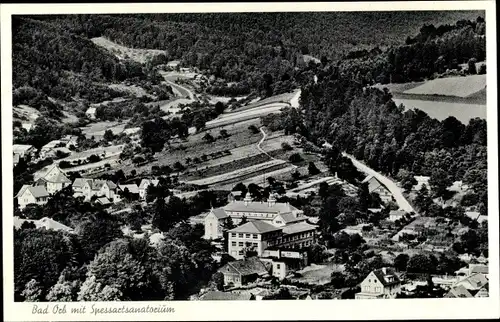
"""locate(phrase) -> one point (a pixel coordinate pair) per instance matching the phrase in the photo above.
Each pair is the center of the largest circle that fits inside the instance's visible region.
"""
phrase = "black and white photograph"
(250, 156)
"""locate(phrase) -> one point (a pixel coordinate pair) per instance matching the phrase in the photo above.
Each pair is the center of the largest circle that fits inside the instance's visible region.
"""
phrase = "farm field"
(106, 151)
(451, 86)
(253, 113)
(134, 90)
(318, 274)
(441, 110)
(258, 178)
(25, 113)
(122, 52)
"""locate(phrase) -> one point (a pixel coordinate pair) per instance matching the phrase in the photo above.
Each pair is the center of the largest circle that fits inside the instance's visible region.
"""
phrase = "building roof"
(291, 217)
(132, 188)
(146, 182)
(478, 268)
(27, 126)
(255, 227)
(80, 182)
(397, 213)
(459, 291)
(103, 201)
(473, 282)
(383, 275)
(245, 267)
(59, 178)
(45, 222)
(36, 191)
(226, 296)
(298, 227)
(373, 183)
(258, 206)
(219, 213)
(21, 148)
(52, 144)
(91, 110)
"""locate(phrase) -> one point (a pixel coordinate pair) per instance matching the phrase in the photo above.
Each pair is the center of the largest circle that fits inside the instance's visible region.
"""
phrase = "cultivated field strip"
(236, 175)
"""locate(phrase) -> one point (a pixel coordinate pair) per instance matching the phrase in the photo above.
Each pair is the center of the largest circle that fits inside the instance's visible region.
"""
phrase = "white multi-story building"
(381, 283)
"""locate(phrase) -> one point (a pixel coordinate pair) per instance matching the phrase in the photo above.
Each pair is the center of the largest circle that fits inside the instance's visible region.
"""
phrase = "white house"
(375, 186)
(213, 223)
(396, 215)
(45, 222)
(23, 150)
(91, 113)
(32, 195)
(95, 187)
(143, 186)
(380, 284)
(53, 179)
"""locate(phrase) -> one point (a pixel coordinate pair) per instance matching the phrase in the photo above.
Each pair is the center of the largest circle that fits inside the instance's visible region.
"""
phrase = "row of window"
(241, 244)
(239, 235)
(249, 214)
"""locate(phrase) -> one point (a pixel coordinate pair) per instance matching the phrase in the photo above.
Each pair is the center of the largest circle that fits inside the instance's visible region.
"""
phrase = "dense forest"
(261, 53)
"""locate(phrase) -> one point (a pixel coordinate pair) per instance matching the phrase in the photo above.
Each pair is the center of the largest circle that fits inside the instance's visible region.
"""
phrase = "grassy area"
(451, 86)
(281, 98)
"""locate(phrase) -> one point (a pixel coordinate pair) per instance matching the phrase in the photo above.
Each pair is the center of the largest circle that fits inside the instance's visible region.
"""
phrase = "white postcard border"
(257, 310)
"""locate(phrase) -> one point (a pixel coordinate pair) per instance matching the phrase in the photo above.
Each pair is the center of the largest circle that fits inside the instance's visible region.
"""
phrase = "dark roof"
(219, 213)
(382, 275)
(255, 227)
(226, 296)
(459, 291)
(247, 266)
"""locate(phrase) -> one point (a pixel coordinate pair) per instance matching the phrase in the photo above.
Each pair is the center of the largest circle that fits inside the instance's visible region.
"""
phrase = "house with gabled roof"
(244, 271)
(53, 179)
(214, 222)
(32, 195)
(91, 113)
(375, 186)
(381, 283)
(95, 187)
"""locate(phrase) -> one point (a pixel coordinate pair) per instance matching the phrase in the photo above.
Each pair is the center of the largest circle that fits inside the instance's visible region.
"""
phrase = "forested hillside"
(51, 61)
(256, 52)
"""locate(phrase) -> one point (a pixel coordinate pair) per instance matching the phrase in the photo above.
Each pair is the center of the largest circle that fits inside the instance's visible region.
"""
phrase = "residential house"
(213, 223)
(243, 271)
(234, 195)
(473, 269)
(375, 186)
(91, 113)
(476, 285)
(381, 283)
(53, 179)
(284, 261)
(45, 222)
(227, 296)
(32, 195)
(15, 159)
(95, 187)
(132, 188)
(69, 141)
(396, 215)
(143, 186)
(23, 150)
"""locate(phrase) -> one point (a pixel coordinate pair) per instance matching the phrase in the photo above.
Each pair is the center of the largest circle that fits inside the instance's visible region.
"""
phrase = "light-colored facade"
(32, 195)
(89, 188)
(375, 186)
(90, 113)
(143, 186)
(53, 180)
(380, 284)
(213, 223)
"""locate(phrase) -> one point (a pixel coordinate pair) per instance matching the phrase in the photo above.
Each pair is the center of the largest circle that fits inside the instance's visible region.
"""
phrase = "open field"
(122, 52)
(134, 90)
(104, 151)
(318, 274)
(257, 112)
(441, 110)
(258, 178)
(97, 129)
(451, 86)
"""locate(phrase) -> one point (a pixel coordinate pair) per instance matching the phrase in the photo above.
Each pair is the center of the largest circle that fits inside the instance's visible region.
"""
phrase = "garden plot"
(97, 129)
